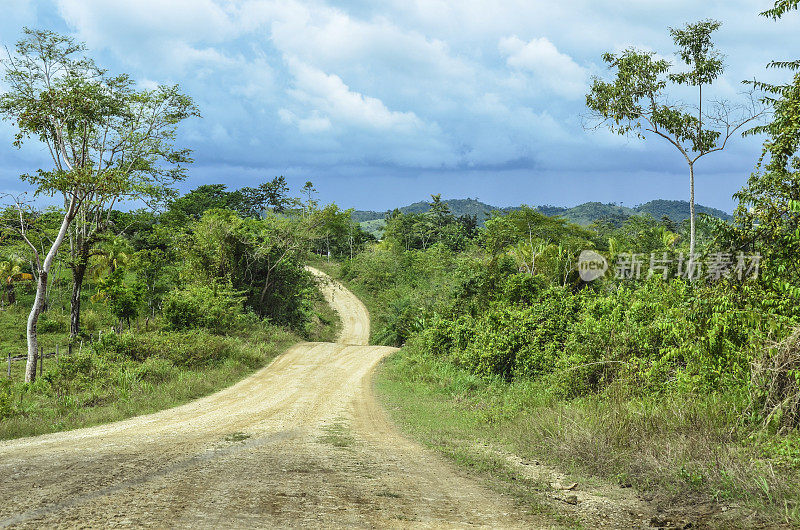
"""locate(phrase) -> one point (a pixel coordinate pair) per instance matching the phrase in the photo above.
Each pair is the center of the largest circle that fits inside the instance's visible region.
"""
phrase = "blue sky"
(383, 103)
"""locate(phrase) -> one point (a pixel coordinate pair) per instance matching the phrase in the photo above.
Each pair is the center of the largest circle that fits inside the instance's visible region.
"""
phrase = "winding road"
(301, 442)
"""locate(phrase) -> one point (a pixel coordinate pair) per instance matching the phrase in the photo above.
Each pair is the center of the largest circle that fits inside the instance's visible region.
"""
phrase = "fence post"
(56, 353)
(9, 365)
(41, 360)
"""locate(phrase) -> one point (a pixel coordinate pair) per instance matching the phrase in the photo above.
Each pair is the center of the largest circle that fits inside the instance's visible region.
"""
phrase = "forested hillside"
(582, 214)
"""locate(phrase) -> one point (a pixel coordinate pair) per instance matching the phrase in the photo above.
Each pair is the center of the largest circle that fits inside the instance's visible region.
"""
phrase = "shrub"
(445, 337)
(523, 289)
(399, 322)
(77, 372)
(201, 306)
(521, 341)
(155, 370)
(49, 325)
(190, 349)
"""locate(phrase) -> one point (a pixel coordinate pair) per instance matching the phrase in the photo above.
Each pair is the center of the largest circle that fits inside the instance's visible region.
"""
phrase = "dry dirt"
(301, 442)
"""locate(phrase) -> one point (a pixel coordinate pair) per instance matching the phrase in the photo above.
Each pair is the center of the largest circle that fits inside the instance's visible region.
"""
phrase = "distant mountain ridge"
(582, 214)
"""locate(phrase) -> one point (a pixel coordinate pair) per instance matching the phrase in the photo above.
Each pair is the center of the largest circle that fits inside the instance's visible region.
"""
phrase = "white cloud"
(101, 22)
(315, 123)
(328, 94)
(411, 84)
(555, 70)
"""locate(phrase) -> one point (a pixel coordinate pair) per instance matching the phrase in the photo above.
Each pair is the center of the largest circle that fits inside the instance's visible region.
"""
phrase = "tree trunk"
(41, 288)
(79, 267)
(691, 212)
(33, 321)
(78, 274)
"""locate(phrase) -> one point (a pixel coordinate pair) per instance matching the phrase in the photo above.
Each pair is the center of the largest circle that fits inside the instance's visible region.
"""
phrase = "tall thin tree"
(637, 101)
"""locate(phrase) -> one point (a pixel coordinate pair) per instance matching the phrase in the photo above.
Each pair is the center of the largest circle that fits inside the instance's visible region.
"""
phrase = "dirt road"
(301, 442)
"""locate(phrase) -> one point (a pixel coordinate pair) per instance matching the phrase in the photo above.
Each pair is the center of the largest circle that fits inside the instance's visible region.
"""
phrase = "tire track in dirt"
(301, 442)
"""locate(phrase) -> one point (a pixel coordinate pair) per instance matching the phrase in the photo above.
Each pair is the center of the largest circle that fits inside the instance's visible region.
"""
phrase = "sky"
(381, 104)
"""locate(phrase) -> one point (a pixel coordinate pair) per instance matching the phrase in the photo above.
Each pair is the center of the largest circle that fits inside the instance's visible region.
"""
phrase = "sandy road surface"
(299, 443)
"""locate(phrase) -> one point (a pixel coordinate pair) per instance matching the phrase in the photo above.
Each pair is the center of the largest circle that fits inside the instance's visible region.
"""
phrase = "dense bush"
(520, 340)
(119, 359)
(653, 335)
(203, 306)
(189, 349)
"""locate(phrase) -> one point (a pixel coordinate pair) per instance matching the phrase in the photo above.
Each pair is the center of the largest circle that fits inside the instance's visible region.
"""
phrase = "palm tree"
(115, 252)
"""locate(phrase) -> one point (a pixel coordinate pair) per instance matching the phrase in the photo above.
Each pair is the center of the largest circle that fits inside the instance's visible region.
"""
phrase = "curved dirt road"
(301, 442)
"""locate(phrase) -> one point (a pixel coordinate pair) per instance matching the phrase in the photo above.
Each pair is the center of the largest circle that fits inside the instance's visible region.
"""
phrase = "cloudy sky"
(383, 103)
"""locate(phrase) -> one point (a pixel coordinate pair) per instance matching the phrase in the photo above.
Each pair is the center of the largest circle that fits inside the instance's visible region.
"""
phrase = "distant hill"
(679, 210)
(582, 214)
(457, 206)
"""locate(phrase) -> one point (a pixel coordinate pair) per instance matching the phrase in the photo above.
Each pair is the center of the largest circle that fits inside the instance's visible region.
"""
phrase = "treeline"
(205, 259)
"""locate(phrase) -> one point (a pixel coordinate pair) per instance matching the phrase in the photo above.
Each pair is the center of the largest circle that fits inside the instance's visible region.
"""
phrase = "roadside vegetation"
(176, 304)
(677, 376)
(672, 386)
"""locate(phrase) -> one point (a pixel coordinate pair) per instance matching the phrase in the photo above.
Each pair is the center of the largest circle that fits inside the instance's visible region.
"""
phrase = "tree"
(194, 204)
(526, 235)
(272, 195)
(636, 102)
(261, 258)
(123, 300)
(108, 142)
(769, 209)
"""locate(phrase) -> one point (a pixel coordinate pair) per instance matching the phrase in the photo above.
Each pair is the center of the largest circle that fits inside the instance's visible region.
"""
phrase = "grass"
(338, 435)
(127, 390)
(684, 452)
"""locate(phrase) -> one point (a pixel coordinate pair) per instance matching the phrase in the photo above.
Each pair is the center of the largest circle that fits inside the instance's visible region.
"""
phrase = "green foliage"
(696, 50)
(261, 258)
(520, 341)
(780, 8)
(123, 299)
(636, 101)
(6, 399)
(203, 306)
(58, 95)
(336, 234)
(423, 230)
(538, 244)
